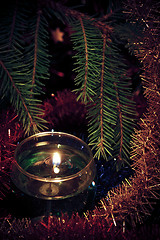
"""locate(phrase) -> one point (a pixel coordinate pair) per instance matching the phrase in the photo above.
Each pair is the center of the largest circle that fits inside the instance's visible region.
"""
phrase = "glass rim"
(57, 179)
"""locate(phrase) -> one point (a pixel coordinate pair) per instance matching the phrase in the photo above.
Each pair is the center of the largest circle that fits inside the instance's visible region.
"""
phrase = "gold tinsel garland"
(134, 199)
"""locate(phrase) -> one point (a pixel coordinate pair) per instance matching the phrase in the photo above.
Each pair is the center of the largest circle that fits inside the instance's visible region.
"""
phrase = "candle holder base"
(53, 166)
(52, 173)
(22, 205)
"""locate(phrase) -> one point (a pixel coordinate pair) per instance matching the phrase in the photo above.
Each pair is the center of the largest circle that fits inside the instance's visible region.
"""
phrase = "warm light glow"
(56, 158)
(39, 144)
(56, 170)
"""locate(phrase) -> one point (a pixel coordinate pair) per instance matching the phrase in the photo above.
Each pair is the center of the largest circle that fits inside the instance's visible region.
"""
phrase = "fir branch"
(13, 25)
(26, 62)
(35, 49)
(86, 62)
(101, 144)
(37, 56)
(77, 15)
(19, 95)
(101, 114)
(120, 122)
(99, 70)
(99, 77)
(87, 56)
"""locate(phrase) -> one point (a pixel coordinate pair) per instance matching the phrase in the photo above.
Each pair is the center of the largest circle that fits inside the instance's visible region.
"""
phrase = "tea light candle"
(53, 165)
(50, 188)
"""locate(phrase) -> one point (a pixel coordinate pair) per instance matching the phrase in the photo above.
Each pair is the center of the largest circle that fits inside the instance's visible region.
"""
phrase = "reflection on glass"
(53, 166)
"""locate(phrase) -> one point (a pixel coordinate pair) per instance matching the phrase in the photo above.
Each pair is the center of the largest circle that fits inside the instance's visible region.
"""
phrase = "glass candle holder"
(53, 165)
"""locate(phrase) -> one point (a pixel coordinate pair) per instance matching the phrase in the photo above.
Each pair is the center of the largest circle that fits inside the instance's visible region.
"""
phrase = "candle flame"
(56, 158)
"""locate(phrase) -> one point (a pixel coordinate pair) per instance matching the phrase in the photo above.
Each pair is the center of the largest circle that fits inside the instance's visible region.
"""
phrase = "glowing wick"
(56, 161)
(56, 169)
